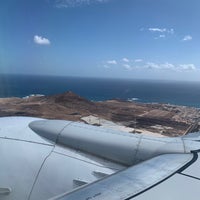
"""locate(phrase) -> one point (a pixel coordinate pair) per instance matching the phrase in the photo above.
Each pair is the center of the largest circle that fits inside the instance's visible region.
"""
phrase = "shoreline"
(103, 89)
(162, 119)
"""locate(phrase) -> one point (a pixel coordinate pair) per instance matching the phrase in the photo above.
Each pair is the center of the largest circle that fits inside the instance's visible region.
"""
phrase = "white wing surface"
(133, 181)
(63, 160)
(34, 168)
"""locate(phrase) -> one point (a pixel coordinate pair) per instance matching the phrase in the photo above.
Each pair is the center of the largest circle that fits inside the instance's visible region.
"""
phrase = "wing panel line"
(187, 175)
(85, 161)
(195, 157)
(39, 172)
(102, 185)
(20, 140)
(45, 161)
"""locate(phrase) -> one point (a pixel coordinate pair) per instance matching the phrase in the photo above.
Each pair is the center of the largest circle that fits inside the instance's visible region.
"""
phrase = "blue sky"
(139, 39)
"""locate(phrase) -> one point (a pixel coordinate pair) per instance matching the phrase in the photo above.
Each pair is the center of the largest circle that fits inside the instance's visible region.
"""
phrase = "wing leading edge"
(132, 181)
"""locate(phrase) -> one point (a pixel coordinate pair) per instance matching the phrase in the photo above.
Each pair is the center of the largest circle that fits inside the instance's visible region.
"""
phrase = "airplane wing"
(33, 168)
(131, 183)
(50, 161)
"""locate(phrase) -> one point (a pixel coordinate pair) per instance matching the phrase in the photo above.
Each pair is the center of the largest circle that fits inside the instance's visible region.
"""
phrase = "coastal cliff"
(164, 119)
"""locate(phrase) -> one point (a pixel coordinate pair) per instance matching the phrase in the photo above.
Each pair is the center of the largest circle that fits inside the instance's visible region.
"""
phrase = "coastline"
(150, 118)
(103, 89)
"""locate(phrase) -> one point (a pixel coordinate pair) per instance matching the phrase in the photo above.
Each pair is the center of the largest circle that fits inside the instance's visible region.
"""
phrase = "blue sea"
(98, 89)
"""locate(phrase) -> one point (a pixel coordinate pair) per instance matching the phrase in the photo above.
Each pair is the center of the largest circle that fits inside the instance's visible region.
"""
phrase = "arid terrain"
(164, 119)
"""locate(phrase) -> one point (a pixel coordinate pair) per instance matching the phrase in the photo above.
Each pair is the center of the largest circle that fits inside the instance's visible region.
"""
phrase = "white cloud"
(162, 30)
(171, 31)
(112, 62)
(162, 36)
(151, 65)
(41, 40)
(187, 67)
(138, 60)
(187, 38)
(126, 66)
(169, 67)
(75, 3)
(139, 64)
(126, 60)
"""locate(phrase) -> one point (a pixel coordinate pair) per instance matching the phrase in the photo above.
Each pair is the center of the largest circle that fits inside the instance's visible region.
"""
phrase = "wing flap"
(132, 181)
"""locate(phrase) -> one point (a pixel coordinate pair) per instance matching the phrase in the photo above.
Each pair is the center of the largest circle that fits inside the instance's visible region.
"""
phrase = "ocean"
(99, 89)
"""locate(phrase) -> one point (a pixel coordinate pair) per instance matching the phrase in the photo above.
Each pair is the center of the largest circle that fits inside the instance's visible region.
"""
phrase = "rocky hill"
(159, 118)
